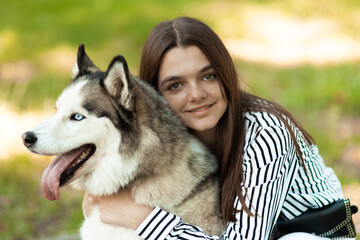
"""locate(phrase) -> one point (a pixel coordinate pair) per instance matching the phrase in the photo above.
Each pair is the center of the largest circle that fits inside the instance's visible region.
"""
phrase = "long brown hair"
(184, 32)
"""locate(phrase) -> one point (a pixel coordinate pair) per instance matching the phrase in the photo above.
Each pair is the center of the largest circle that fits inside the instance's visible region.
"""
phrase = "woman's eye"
(77, 117)
(210, 76)
(175, 86)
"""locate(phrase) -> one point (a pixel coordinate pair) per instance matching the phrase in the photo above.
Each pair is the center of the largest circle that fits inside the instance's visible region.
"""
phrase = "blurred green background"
(303, 54)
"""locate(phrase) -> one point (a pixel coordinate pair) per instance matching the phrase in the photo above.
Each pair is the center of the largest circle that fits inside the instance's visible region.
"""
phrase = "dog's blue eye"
(77, 117)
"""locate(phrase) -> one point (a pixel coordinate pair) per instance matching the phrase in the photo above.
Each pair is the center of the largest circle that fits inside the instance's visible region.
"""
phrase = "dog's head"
(95, 123)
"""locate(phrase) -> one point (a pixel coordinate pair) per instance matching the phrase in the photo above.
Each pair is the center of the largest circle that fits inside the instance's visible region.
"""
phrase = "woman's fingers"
(88, 204)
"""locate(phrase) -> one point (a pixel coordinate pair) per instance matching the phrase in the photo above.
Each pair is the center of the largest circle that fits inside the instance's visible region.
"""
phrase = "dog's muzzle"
(29, 139)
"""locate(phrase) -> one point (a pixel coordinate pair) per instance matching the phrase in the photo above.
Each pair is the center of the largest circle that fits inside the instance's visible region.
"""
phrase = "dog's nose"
(29, 139)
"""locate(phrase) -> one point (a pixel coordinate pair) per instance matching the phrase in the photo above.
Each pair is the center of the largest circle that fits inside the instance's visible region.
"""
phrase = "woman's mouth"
(200, 109)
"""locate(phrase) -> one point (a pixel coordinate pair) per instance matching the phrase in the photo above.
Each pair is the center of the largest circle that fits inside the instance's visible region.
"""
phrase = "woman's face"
(190, 86)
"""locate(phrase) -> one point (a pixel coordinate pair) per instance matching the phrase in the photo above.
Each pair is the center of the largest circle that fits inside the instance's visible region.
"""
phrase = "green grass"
(29, 30)
(306, 88)
(318, 96)
(24, 212)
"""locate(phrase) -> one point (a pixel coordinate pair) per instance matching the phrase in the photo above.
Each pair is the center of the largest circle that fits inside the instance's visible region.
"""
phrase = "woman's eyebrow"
(169, 79)
(206, 68)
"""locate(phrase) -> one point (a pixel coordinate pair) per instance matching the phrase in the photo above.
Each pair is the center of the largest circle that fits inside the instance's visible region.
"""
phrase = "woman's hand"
(119, 209)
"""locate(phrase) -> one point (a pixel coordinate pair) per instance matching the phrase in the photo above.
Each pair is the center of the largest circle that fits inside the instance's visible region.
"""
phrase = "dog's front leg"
(94, 229)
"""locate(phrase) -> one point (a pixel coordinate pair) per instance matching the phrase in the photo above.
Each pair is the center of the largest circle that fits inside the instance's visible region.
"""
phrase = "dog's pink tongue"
(50, 180)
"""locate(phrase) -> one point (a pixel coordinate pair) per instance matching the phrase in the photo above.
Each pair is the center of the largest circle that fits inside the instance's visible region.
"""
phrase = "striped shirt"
(275, 184)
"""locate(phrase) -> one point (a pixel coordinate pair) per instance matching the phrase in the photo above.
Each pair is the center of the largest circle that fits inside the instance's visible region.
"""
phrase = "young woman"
(269, 163)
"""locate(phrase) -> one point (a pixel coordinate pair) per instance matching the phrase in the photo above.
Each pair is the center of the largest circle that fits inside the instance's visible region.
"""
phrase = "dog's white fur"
(113, 174)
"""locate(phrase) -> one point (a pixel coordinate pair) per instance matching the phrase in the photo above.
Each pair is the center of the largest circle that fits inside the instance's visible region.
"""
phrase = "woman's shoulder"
(268, 125)
(263, 120)
(258, 124)
(266, 140)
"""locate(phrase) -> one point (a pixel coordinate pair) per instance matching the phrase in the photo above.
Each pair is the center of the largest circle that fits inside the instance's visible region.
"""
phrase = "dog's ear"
(118, 82)
(83, 65)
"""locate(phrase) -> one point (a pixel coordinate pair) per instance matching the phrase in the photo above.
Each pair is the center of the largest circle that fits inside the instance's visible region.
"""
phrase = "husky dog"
(112, 131)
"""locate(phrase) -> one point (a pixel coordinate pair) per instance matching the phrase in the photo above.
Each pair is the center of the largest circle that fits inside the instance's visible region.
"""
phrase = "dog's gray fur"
(158, 159)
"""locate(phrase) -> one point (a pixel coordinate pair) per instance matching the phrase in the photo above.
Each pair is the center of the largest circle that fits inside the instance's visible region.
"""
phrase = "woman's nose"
(196, 92)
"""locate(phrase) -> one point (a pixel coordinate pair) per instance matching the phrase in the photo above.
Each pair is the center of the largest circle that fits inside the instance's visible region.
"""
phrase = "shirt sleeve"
(269, 168)
(161, 225)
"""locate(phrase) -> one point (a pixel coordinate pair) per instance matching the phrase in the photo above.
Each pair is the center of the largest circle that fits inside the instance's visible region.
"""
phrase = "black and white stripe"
(274, 180)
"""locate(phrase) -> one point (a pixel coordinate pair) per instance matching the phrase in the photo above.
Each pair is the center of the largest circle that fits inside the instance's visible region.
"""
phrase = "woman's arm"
(270, 165)
(119, 209)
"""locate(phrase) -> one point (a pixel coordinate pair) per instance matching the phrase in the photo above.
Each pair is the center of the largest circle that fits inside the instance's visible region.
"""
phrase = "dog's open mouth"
(62, 169)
